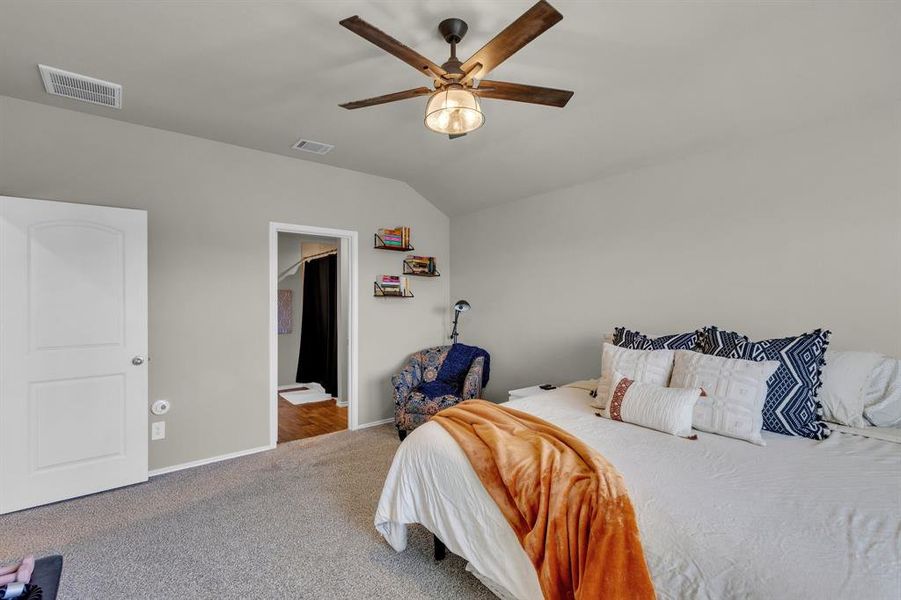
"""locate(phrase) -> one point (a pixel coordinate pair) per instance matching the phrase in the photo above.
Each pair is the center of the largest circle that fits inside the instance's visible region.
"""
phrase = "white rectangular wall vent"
(314, 147)
(81, 87)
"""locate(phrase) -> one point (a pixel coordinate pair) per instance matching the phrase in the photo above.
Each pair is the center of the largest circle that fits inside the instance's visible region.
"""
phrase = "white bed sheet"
(719, 518)
(888, 434)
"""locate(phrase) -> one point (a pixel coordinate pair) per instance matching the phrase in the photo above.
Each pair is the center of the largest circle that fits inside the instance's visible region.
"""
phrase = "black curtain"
(318, 361)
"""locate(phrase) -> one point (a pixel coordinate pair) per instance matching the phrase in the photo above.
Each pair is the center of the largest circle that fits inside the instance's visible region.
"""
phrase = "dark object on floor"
(44, 583)
(547, 386)
(440, 548)
(401, 434)
(412, 407)
(20, 591)
(47, 572)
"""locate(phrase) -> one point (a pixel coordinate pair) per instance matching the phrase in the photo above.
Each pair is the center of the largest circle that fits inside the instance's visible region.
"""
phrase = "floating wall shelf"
(408, 270)
(379, 292)
(379, 244)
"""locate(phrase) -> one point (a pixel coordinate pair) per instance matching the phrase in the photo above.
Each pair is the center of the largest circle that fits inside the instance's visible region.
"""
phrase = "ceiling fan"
(453, 107)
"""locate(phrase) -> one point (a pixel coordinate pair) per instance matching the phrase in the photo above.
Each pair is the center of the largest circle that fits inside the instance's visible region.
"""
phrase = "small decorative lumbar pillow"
(665, 409)
(791, 406)
(627, 338)
(734, 391)
(646, 366)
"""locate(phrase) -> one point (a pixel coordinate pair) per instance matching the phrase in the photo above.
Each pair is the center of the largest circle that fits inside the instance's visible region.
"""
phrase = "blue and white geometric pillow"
(635, 340)
(791, 406)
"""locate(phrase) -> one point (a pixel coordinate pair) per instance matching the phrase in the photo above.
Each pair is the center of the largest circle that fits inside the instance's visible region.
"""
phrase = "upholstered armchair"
(411, 407)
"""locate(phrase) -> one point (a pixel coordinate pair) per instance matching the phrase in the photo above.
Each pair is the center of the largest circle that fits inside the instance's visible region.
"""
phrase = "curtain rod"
(312, 256)
(293, 268)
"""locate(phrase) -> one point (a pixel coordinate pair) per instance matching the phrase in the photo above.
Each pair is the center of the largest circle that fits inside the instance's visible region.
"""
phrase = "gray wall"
(289, 343)
(209, 207)
(772, 237)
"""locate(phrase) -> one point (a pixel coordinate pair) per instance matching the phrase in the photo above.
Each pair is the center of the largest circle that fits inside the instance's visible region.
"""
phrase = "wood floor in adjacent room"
(308, 420)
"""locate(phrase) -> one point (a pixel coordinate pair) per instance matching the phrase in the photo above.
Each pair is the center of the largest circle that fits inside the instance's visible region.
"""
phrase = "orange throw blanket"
(567, 505)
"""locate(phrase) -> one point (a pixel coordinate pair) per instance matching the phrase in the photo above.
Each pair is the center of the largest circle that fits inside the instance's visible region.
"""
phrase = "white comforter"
(719, 518)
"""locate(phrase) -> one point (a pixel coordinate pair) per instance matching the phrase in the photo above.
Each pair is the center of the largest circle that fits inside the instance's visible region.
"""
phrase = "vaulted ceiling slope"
(652, 80)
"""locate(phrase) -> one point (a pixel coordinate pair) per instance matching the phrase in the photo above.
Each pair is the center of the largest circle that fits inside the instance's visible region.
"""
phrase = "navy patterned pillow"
(791, 406)
(636, 340)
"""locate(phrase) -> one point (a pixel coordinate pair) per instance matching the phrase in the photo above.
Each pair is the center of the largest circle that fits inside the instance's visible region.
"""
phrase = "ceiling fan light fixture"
(453, 110)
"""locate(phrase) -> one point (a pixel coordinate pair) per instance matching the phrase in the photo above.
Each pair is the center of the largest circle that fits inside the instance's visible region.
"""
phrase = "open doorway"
(311, 357)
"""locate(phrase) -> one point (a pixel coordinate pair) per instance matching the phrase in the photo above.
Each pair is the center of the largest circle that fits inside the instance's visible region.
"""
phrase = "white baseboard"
(239, 453)
(376, 423)
(207, 461)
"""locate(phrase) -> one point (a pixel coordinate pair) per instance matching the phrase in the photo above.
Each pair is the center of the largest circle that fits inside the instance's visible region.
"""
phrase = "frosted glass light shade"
(453, 111)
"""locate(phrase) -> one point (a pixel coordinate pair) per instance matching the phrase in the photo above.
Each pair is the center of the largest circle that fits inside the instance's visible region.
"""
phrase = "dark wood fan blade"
(453, 136)
(420, 91)
(501, 90)
(392, 46)
(520, 32)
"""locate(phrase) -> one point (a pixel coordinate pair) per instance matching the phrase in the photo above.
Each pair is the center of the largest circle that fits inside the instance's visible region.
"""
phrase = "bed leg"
(440, 549)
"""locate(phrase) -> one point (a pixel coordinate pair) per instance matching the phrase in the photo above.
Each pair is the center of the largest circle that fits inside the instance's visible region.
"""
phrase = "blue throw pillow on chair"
(791, 406)
(452, 374)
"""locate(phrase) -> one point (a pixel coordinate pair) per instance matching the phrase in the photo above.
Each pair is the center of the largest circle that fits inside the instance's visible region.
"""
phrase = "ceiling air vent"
(314, 147)
(81, 87)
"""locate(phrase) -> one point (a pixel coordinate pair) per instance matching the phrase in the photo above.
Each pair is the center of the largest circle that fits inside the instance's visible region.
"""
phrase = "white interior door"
(73, 347)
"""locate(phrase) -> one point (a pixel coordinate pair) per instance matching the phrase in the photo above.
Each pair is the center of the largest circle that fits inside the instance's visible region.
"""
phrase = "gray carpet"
(295, 522)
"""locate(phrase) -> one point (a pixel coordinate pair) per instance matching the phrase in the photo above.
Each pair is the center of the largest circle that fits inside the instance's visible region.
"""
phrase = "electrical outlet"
(158, 430)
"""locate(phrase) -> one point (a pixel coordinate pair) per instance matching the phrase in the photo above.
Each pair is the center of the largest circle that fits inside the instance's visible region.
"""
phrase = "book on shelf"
(393, 285)
(397, 237)
(421, 265)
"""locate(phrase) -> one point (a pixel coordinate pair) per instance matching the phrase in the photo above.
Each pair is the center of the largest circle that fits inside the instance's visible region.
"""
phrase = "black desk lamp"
(460, 306)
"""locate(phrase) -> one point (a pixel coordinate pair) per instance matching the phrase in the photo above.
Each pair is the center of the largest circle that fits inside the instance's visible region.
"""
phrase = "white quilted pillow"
(734, 391)
(646, 366)
(656, 407)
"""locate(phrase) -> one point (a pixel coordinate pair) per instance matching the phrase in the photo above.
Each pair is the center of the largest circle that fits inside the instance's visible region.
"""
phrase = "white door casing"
(348, 336)
(73, 320)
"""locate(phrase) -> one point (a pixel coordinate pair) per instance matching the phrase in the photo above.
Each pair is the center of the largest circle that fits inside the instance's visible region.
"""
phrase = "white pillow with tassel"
(653, 406)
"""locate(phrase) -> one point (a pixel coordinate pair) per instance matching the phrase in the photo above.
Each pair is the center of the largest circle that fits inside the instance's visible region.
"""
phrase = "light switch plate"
(158, 430)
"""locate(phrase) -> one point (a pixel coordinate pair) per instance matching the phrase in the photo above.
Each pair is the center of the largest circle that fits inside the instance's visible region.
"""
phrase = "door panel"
(73, 314)
(55, 405)
(77, 285)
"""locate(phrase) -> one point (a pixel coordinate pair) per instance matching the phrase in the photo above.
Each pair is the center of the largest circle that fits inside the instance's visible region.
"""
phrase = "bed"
(719, 518)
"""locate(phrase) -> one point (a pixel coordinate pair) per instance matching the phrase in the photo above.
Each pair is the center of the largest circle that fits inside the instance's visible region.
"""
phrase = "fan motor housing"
(453, 30)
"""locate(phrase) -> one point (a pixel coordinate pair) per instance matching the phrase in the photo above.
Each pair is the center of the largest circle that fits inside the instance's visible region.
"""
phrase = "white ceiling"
(652, 79)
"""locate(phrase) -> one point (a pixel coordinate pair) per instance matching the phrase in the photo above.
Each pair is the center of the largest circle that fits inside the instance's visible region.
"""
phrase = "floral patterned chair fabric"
(411, 407)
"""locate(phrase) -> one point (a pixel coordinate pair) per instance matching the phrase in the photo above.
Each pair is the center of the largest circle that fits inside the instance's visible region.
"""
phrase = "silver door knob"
(137, 361)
